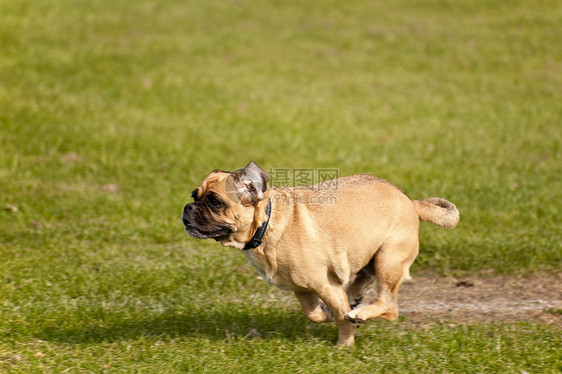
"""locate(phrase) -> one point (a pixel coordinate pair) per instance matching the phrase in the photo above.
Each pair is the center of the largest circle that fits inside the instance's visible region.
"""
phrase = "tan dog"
(326, 242)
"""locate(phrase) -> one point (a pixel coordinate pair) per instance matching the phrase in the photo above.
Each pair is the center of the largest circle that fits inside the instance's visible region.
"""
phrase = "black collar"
(256, 239)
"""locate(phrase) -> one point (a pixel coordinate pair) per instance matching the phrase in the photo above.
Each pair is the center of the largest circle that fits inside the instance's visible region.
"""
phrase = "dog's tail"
(438, 211)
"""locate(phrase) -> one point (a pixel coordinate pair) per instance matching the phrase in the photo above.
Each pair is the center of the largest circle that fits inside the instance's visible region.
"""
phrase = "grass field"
(111, 112)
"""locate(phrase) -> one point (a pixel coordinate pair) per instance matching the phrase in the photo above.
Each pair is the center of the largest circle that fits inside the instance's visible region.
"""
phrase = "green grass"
(459, 100)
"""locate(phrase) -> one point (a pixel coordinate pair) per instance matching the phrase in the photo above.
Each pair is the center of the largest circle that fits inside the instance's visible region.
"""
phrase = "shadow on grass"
(266, 324)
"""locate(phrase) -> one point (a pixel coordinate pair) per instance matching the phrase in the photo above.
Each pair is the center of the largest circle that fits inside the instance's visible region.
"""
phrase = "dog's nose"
(186, 209)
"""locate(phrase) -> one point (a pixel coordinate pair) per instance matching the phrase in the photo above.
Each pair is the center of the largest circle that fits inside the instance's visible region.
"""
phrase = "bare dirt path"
(428, 299)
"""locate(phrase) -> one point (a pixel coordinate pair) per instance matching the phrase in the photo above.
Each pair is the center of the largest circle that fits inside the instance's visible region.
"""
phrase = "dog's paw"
(354, 319)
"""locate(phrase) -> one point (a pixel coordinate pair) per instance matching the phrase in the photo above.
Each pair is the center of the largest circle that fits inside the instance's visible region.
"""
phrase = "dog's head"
(225, 206)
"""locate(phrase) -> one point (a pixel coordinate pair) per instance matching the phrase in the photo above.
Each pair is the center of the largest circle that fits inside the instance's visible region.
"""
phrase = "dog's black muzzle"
(194, 225)
(187, 209)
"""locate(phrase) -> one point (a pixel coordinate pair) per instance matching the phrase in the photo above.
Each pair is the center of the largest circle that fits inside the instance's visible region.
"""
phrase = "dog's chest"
(265, 269)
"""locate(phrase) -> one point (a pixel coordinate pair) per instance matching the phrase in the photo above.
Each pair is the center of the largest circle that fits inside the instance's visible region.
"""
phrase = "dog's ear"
(249, 183)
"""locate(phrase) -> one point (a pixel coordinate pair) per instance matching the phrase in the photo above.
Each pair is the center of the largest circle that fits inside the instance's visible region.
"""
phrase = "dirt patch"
(428, 299)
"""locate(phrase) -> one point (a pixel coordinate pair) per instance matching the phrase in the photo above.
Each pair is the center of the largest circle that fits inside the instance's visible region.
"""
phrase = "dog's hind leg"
(392, 265)
(364, 279)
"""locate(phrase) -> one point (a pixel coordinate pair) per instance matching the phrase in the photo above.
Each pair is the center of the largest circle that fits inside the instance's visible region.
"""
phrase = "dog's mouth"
(218, 233)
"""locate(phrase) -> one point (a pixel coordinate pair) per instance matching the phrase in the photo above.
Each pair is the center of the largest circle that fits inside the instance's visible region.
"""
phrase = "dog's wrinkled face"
(203, 218)
(224, 203)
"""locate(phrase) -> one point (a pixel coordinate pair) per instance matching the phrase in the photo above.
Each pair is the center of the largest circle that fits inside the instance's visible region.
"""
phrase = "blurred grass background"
(101, 143)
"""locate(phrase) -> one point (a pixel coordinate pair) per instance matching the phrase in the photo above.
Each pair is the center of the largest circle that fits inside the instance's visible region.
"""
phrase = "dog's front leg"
(313, 308)
(336, 299)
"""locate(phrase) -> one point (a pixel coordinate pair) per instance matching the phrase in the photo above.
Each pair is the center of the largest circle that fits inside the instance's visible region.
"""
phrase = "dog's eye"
(214, 201)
